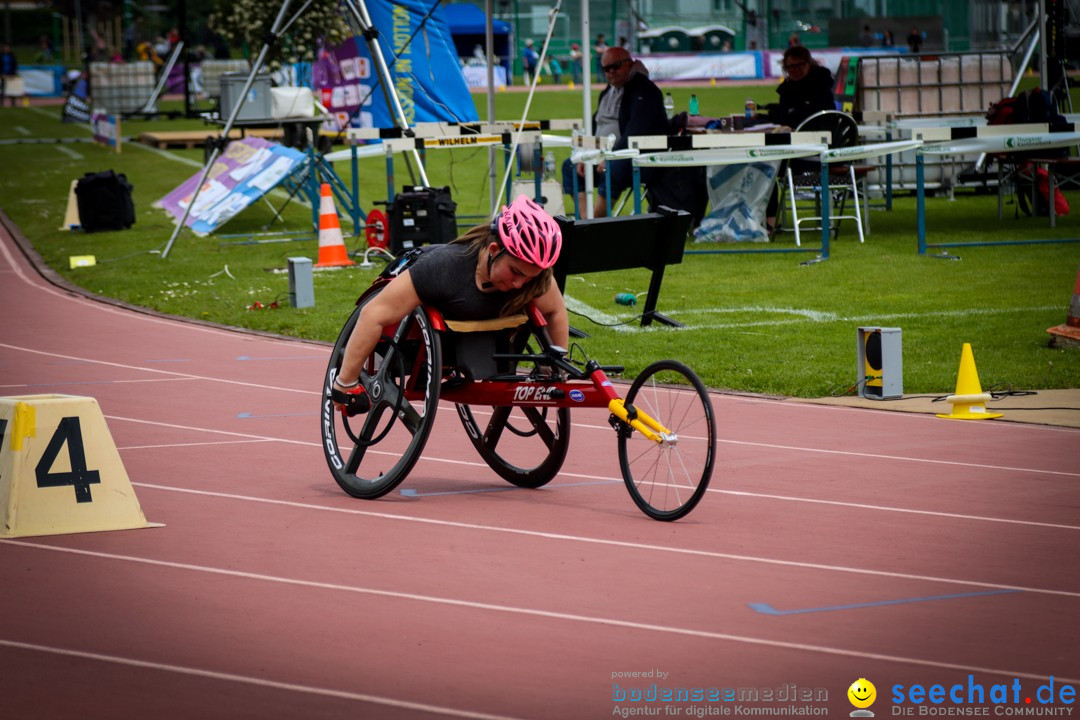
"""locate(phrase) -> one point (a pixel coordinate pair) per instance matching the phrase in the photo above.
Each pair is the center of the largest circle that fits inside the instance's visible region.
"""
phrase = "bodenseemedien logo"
(862, 695)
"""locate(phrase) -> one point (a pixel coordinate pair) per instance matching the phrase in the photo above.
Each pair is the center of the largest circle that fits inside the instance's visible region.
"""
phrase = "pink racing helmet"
(528, 233)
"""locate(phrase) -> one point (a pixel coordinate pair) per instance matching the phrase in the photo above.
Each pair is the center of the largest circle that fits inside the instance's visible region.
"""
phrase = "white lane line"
(21, 130)
(599, 316)
(248, 680)
(187, 376)
(194, 444)
(606, 478)
(879, 456)
(714, 397)
(547, 614)
(167, 155)
(229, 433)
(323, 351)
(886, 508)
(38, 283)
(815, 316)
(74, 155)
(716, 491)
(98, 382)
(805, 313)
(802, 315)
(846, 453)
(617, 543)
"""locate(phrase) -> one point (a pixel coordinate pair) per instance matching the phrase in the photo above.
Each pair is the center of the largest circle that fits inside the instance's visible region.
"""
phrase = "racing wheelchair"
(513, 390)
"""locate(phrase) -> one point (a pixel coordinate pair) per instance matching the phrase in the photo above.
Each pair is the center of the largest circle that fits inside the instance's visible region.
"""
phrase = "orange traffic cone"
(332, 252)
(969, 402)
(1069, 333)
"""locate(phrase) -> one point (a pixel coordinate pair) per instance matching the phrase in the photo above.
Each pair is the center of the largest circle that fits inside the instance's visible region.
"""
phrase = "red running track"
(834, 544)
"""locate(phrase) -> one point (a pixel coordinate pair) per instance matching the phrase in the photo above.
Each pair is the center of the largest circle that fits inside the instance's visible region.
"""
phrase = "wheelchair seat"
(469, 346)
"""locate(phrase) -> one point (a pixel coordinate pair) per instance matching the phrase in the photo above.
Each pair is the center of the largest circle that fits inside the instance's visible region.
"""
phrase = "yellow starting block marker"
(60, 471)
(71, 214)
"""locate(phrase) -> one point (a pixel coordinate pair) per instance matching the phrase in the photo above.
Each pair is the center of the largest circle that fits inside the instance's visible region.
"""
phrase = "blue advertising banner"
(426, 75)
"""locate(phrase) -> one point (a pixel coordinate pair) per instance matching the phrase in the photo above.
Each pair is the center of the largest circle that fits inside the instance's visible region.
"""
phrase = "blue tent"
(468, 23)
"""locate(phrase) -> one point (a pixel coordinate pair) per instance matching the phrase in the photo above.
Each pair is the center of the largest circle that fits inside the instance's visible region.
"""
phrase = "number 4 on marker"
(78, 477)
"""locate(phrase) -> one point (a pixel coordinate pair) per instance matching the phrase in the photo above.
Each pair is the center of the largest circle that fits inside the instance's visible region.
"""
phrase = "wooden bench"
(197, 138)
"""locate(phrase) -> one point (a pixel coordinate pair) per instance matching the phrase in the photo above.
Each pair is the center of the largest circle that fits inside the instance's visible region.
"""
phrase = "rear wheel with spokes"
(668, 479)
(370, 454)
(526, 445)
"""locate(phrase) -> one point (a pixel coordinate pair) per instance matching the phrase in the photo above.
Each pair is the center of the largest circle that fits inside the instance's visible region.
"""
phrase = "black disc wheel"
(667, 479)
(371, 453)
(526, 446)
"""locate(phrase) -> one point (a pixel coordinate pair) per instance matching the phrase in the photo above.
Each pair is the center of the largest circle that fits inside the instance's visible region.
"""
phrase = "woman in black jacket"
(807, 89)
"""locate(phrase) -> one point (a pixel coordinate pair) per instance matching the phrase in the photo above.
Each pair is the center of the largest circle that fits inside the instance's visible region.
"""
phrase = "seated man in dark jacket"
(630, 105)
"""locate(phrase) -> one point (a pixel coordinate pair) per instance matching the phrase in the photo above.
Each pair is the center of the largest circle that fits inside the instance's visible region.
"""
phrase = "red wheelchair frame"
(665, 425)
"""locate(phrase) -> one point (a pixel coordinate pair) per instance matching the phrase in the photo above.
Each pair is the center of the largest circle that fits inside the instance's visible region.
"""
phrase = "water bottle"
(549, 165)
(693, 105)
(669, 106)
(751, 108)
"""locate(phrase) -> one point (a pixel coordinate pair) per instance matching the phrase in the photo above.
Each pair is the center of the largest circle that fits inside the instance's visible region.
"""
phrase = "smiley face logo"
(862, 693)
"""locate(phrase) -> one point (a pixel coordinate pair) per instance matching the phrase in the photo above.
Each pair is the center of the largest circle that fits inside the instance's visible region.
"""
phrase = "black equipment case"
(420, 216)
(105, 203)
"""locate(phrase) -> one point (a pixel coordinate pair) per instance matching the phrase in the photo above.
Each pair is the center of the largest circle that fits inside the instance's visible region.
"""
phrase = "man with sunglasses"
(631, 104)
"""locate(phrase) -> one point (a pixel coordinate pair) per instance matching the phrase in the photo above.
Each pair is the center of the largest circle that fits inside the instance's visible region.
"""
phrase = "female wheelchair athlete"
(513, 390)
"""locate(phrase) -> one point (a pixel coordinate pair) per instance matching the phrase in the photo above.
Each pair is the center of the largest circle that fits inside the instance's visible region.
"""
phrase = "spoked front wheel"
(370, 454)
(667, 479)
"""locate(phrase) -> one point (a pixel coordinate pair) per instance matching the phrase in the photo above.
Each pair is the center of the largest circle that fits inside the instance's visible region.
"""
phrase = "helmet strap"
(490, 261)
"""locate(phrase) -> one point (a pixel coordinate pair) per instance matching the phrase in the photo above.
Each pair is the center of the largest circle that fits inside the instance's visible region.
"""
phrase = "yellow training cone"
(969, 402)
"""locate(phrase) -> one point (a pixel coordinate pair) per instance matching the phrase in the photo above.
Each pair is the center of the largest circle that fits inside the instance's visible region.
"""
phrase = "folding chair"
(804, 176)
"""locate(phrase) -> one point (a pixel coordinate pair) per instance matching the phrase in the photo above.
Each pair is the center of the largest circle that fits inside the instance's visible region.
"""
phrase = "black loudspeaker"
(421, 216)
(105, 203)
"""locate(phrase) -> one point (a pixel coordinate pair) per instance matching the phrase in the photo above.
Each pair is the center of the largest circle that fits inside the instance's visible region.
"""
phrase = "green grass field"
(758, 323)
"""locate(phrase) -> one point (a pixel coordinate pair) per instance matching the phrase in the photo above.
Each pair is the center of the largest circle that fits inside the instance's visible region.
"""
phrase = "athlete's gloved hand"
(350, 401)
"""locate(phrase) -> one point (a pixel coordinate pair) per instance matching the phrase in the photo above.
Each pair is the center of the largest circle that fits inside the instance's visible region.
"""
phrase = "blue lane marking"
(409, 492)
(766, 609)
(249, 416)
